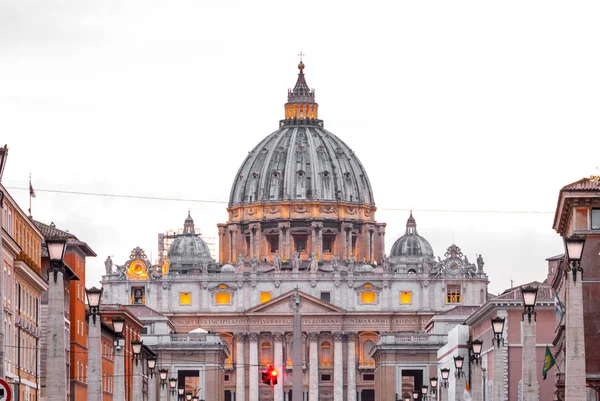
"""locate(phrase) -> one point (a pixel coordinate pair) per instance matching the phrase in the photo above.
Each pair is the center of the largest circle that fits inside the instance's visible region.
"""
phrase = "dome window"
(412, 271)
(325, 173)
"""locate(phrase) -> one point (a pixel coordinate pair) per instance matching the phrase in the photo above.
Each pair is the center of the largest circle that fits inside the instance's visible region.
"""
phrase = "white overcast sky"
(450, 105)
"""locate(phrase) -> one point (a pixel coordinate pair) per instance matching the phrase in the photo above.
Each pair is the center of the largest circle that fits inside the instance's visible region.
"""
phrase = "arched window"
(265, 353)
(325, 353)
(367, 360)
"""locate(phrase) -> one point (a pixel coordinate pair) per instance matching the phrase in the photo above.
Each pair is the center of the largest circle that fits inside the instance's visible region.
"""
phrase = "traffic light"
(269, 377)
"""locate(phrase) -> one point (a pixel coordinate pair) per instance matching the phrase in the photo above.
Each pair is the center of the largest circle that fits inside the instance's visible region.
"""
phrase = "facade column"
(575, 374)
(381, 231)
(56, 358)
(288, 241)
(253, 368)
(459, 388)
(280, 241)
(251, 242)
(240, 368)
(284, 240)
(164, 392)
(94, 373)
(137, 378)
(313, 366)
(313, 239)
(476, 381)
(119, 377)
(344, 241)
(338, 367)
(499, 374)
(529, 370)
(443, 393)
(152, 379)
(351, 366)
(320, 255)
(278, 364)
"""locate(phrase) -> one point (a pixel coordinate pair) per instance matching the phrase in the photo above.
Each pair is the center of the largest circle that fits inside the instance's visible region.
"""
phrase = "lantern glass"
(180, 391)
(574, 248)
(151, 362)
(415, 395)
(445, 373)
(458, 362)
(407, 398)
(118, 325)
(477, 345)
(163, 374)
(173, 382)
(195, 398)
(424, 389)
(529, 295)
(136, 347)
(93, 296)
(433, 382)
(188, 396)
(56, 249)
(498, 325)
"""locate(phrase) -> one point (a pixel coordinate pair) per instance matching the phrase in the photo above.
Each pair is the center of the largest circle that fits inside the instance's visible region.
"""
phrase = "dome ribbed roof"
(188, 251)
(411, 243)
(301, 161)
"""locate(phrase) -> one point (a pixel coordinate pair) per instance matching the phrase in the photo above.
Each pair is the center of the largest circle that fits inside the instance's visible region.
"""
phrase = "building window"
(453, 296)
(368, 297)
(325, 378)
(595, 219)
(273, 244)
(185, 298)
(325, 353)
(366, 358)
(265, 296)
(226, 378)
(300, 243)
(368, 377)
(223, 298)
(326, 296)
(138, 295)
(265, 353)
(328, 243)
(405, 297)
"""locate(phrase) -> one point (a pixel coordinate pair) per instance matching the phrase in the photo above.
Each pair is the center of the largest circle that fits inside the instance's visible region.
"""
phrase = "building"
(301, 217)
(23, 286)
(74, 310)
(578, 214)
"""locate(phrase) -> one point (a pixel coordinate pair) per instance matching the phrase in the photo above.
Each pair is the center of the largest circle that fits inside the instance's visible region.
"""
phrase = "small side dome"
(188, 251)
(411, 243)
(366, 268)
(227, 269)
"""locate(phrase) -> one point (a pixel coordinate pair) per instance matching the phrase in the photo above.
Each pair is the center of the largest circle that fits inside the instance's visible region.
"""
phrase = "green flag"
(548, 362)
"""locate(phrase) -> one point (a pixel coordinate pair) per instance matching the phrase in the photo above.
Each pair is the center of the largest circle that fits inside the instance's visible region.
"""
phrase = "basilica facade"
(301, 220)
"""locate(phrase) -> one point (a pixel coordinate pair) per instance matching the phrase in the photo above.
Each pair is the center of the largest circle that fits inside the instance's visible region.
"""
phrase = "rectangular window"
(185, 298)
(138, 295)
(223, 298)
(265, 296)
(326, 296)
(328, 244)
(300, 243)
(325, 378)
(595, 219)
(368, 377)
(406, 297)
(273, 244)
(453, 296)
(368, 297)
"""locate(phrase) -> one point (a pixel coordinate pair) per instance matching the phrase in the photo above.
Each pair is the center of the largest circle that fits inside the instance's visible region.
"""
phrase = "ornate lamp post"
(172, 385)
(499, 378)
(529, 340)
(424, 390)
(433, 383)
(181, 393)
(415, 395)
(188, 396)
(475, 347)
(529, 298)
(575, 381)
(151, 360)
(94, 382)
(162, 374)
(445, 374)
(118, 324)
(136, 348)
(56, 357)
(459, 375)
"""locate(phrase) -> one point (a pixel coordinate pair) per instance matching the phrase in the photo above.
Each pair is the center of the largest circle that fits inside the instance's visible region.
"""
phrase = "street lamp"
(181, 393)
(574, 250)
(476, 346)
(415, 395)
(137, 350)
(188, 396)
(195, 398)
(118, 325)
(94, 295)
(151, 360)
(424, 389)
(162, 374)
(407, 398)
(433, 382)
(458, 364)
(56, 252)
(172, 384)
(445, 375)
(498, 328)
(529, 297)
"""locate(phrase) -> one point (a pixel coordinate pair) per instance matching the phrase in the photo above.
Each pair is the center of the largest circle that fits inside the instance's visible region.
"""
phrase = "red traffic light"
(273, 372)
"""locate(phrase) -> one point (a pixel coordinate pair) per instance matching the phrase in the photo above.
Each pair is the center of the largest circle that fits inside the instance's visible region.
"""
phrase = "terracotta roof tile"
(143, 311)
(585, 184)
(545, 292)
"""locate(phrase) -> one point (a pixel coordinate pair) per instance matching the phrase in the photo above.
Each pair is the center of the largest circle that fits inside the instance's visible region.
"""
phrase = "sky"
(472, 114)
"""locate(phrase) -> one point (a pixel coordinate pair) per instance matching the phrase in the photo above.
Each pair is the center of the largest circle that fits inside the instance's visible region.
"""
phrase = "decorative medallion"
(250, 211)
(300, 209)
(351, 210)
(273, 209)
(328, 209)
(137, 269)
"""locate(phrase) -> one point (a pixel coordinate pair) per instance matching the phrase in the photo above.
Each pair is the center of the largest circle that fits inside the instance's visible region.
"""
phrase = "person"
(277, 262)
(108, 264)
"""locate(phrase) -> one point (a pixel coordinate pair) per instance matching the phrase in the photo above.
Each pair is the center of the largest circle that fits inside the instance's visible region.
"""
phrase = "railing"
(187, 338)
(412, 339)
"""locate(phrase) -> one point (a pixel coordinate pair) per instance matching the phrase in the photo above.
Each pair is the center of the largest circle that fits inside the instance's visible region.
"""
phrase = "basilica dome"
(301, 161)
(411, 243)
(188, 251)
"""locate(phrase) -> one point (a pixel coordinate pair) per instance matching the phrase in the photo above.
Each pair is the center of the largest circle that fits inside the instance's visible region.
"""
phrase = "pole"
(94, 375)
(297, 351)
(119, 383)
(528, 361)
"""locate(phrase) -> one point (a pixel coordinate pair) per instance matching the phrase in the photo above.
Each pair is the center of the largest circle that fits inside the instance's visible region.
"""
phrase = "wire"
(163, 198)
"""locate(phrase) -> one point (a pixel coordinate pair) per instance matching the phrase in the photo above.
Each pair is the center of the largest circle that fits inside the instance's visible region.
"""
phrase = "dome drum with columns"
(301, 189)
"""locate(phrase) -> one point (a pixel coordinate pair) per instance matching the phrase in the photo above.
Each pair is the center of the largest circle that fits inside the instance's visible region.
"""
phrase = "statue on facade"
(470, 270)
(108, 264)
(335, 263)
(480, 264)
(277, 262)
(427, 265)
(313, 263)
(254, 264)
(240, 263)
(351, 263)
(296, 261)
(204, 267)
(156, 272)
(121, 271)
(385, 263)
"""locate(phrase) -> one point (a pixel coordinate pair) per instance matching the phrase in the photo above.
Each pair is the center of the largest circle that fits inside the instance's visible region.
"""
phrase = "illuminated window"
(368, 297)
(453, 296)
(185, 298)
(406, 297)
(265, 296)
(325, 353)
(265, 353)
(223, 298)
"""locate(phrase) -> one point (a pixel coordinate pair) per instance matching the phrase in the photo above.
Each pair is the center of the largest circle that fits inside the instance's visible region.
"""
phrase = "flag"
(548, 362)
(31, 191)
(467, 396)
(559, 307)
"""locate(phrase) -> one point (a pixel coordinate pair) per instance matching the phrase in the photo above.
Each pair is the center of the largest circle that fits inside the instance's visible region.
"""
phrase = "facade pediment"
(309, 305)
